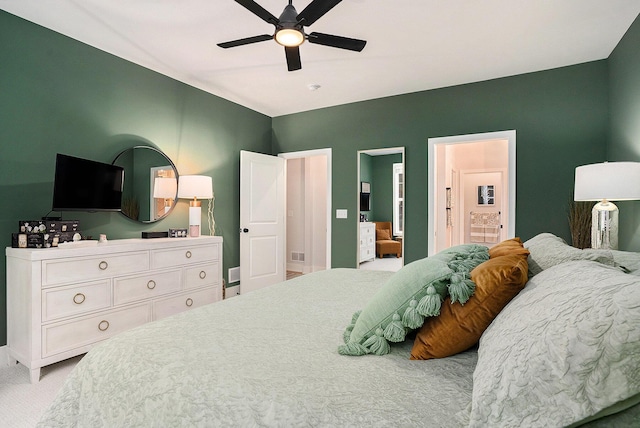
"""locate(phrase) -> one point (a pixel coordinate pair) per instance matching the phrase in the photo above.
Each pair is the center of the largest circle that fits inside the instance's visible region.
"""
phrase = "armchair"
(385, 244)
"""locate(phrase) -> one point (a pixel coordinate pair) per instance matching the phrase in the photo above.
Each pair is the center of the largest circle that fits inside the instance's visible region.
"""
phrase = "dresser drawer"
(173, 305)
(199, 276)
(65, 336)
(78, 269)
(185, 255)
(367, 254)
(60, 302)
(139, 287)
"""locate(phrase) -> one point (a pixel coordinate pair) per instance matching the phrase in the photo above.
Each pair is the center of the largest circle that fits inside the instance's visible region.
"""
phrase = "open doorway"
(380, 197)
(471, 189)
(308, 211)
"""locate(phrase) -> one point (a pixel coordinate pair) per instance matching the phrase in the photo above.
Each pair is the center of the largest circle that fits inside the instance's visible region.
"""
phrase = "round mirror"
(150, 186)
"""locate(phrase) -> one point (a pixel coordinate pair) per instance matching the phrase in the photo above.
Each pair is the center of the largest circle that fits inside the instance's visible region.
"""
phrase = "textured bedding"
(267, 358)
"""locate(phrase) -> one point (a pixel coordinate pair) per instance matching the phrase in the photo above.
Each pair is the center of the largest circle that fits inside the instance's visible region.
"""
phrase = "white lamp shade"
(613, 181)
(195, 186)
(165, 187)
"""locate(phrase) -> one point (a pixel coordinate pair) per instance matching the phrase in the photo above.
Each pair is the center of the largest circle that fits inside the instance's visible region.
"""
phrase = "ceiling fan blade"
(337, 41)
(315, 10)
(259, 11)
(293, 58)
(245, 41)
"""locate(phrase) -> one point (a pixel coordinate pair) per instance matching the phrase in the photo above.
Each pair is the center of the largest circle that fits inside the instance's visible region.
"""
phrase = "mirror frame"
(169, 162)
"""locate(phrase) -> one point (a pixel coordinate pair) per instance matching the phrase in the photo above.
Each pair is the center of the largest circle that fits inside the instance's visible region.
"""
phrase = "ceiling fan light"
(289, 37)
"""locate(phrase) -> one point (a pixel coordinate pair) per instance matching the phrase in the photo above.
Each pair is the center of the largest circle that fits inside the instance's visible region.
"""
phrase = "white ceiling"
(412, 45)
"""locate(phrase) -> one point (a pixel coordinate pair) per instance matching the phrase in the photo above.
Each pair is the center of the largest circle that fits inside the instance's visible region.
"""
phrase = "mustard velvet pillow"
(459, 327)
(511, 246)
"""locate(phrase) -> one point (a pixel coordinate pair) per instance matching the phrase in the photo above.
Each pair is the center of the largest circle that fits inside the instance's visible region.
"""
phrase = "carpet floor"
(22, 403)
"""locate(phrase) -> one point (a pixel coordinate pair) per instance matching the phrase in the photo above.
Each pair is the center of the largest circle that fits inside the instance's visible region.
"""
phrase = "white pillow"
(565, 348)
(546, 250)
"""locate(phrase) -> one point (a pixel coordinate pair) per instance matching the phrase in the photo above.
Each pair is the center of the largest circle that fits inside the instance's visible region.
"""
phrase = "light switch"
(341, 213)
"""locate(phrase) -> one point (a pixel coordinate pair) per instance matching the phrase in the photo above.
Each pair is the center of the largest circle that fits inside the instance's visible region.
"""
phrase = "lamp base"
(195, 215)
(604, 226)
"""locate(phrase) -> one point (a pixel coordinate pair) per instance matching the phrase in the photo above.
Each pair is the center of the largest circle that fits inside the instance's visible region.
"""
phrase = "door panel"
(262, 226)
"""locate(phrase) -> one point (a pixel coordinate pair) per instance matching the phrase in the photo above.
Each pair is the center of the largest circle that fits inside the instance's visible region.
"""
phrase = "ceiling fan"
(289, 30)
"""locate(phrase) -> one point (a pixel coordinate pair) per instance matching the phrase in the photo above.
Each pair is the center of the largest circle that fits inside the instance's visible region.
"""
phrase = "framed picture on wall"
(486, 195)
(366, 187)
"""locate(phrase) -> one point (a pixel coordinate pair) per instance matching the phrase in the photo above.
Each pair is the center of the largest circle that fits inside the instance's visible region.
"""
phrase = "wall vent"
(297, 256)
(234, 275)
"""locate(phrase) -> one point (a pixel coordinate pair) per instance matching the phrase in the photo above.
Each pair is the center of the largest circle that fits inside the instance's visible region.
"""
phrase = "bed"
(270, 358)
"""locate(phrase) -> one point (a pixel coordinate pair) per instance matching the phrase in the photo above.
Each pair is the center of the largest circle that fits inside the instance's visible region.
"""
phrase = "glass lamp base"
(604, 226)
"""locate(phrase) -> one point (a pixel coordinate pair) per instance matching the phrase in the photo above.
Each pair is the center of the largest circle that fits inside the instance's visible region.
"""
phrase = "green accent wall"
(561, 121)
(59, 95)
(624, 142)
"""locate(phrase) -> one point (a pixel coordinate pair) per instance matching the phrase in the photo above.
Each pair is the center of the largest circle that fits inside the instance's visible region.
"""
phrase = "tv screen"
(364, 201)
(86, 185)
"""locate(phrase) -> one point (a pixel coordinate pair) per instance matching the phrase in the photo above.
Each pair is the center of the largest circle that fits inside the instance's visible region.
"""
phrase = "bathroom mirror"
(150, 183)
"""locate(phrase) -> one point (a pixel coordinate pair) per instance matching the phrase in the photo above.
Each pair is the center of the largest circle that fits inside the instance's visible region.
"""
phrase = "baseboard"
(295, 267)
(233, 291)
(4, 356)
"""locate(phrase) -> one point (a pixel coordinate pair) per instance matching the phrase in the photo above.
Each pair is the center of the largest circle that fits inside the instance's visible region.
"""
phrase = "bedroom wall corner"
(624, 137)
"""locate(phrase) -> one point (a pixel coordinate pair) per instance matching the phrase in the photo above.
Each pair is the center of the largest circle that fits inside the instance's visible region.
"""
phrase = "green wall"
(561, 119)
(624, 142)
(59, 95)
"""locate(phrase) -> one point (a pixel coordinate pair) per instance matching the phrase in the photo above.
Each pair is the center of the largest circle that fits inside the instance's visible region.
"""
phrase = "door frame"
(510, 136)
(381, 152)
(311, 153)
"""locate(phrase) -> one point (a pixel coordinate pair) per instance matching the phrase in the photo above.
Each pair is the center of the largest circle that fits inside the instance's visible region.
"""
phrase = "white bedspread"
(268, 358)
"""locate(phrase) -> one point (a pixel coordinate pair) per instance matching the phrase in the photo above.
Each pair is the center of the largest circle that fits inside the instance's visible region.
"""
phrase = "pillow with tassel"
(414, 292)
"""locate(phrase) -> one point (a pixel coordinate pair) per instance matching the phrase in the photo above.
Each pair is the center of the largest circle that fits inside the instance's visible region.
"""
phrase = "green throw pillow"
(414, 292)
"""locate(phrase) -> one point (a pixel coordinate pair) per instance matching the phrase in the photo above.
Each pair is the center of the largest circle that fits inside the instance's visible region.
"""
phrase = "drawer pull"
(188, 254)
(103, 265)
(78, 299)
(104, 325)
(151, 284)
(203, 274)
(189, 301)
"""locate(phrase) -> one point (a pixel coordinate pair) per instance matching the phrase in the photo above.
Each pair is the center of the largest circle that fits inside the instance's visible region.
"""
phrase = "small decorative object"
(177, 233)
(151, 235)
(486, 195)
(103, 239)
(77, 237)
(22, 240)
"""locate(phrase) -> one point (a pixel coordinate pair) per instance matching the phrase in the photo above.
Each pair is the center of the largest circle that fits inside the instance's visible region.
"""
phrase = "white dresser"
(62, 301)
(367, 241)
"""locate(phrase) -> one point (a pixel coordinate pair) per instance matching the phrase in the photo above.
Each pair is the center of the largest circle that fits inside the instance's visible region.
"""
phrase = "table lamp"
(195, 187)
(606, 182)
(165, 188)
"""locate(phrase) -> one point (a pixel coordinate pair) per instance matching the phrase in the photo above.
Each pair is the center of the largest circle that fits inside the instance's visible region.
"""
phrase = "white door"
(262, 225)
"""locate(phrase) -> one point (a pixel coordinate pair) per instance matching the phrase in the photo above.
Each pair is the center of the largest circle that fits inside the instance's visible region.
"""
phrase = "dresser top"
(110, 247)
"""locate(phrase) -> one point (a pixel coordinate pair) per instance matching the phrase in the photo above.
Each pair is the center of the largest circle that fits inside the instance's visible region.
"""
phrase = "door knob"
(245, 230)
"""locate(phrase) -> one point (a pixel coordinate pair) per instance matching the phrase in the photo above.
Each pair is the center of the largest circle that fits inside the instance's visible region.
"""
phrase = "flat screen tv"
(86, 185)
(364, 201)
